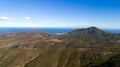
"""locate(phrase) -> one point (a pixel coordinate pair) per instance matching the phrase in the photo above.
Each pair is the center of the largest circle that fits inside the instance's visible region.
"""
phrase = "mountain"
(91, 33)
(88, 47)
(88, 33)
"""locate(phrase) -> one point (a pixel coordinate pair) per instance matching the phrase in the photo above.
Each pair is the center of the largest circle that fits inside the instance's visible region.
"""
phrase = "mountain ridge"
(91, 33)
(88, 47)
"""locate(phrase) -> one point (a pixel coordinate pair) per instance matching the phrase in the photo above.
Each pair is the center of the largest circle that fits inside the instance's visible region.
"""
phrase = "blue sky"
(60, 13)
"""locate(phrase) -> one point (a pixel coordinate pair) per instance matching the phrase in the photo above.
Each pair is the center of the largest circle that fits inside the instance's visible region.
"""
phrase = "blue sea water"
(117, 31)
(48, 30)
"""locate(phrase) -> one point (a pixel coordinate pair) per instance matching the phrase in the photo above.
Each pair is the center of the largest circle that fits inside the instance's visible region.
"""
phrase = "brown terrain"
(88, 47)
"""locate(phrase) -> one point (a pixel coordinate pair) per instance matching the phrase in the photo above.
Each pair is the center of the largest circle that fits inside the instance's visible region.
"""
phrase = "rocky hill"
(91, 33)
(88, 47)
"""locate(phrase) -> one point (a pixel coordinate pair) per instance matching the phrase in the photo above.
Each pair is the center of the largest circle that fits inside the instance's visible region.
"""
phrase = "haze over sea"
(48, 30)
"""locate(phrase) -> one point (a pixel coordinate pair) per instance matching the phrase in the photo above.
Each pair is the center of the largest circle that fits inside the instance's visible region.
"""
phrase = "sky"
(60, 13)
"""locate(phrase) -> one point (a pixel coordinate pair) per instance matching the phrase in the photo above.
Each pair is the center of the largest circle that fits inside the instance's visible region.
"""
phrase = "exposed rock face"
(89, 47)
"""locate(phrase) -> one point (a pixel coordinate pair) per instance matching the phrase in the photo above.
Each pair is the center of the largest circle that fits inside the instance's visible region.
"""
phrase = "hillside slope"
(89, 47)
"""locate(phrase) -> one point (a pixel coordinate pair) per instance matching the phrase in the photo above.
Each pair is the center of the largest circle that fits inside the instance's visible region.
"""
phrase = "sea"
(48, 30)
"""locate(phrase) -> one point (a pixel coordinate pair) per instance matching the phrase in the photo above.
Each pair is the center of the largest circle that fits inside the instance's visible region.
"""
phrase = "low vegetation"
(89, 47)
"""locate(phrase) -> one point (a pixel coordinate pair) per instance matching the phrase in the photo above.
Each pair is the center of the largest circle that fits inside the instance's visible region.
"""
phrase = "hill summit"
(91, 33)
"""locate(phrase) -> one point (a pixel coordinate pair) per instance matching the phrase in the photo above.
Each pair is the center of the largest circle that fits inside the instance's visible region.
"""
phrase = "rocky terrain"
(88, 47)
